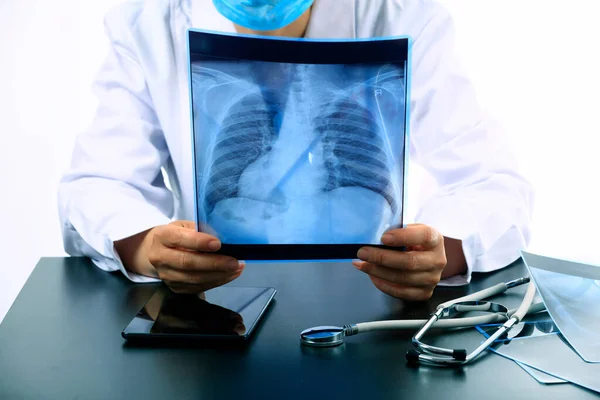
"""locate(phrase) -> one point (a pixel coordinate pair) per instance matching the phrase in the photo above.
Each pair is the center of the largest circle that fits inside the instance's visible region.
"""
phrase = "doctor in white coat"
(115, 206)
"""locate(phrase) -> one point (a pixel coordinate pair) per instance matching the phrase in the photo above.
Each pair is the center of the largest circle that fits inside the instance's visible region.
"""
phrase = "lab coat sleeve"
(482, 199)
(114, 187)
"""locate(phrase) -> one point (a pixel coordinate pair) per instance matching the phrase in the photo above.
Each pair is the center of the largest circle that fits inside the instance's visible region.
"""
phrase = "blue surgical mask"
(262, 15)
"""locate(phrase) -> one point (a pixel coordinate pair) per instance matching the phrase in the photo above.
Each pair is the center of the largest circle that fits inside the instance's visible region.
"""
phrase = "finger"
(189, 261)
(419, 279)
(413, 235)
(193, 288)
(402, 292)
(240, 328)
(404, 260)
(179, 237)
(184, 224)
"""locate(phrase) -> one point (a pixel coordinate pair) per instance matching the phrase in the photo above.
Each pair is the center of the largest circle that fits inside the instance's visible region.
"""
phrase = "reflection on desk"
(189, 313)
(62, 340)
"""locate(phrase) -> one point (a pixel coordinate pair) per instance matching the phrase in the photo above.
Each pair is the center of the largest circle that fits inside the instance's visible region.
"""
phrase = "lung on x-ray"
(297, 153)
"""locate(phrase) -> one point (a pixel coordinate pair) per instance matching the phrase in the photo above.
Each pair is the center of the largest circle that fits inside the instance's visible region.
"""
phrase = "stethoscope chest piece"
(323, 336)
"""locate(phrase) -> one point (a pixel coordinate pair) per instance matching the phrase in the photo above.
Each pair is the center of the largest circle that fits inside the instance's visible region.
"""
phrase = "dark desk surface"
(62, 340)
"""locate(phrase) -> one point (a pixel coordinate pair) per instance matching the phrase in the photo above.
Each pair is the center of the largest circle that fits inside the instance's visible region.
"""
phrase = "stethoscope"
(446, 316)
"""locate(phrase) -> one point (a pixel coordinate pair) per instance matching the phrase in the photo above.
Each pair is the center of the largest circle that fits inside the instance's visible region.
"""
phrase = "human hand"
(192, 314)
(184, 259)
(180, 256)
(411, 274)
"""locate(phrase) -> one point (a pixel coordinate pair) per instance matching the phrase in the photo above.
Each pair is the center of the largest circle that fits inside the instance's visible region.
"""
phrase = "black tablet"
(222, 313)
(299, 146)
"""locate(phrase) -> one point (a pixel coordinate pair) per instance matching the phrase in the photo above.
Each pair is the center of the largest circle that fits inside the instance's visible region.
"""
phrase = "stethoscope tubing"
(449, 323)
(486, 293)
(329, 336)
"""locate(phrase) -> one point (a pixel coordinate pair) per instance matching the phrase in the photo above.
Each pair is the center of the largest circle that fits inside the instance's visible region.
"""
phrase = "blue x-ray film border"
(191, 113)
(305, 253)
(407, 135)
(541, 376)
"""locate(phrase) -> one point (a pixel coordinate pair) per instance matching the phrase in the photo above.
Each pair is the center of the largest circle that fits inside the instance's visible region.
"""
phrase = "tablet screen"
(299, 145)
(226, 311)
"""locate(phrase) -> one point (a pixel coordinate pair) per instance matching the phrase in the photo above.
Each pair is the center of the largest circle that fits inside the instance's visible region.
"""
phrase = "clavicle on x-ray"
(298, 153)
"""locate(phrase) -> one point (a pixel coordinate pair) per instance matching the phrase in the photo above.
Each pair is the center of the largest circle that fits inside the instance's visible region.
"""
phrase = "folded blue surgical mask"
(262, 15)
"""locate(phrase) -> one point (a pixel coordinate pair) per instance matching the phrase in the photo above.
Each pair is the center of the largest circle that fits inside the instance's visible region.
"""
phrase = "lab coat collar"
(330, 19)
(206, 17)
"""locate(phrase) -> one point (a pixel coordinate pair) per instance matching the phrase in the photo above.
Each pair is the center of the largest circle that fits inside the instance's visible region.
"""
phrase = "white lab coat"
(115, 189)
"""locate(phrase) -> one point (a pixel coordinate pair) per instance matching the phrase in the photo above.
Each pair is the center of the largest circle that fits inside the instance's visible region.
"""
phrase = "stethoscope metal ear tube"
(488, 292)
(455, 308)
(329, 336)
(422, 353)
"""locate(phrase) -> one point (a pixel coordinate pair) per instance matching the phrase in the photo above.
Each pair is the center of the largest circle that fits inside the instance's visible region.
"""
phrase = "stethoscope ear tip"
(412, 357)
(459, 354)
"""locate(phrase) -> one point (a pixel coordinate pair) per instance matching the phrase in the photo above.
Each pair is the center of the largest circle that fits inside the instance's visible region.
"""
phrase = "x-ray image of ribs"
(308, 161)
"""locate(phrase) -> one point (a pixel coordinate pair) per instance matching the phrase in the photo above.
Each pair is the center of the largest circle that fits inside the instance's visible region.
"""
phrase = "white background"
(535, 64)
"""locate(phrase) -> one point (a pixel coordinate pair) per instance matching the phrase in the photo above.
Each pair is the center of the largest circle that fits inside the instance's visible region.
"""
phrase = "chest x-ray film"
(530, 329)
(571, 293)
(550, 354)
(299, 145)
